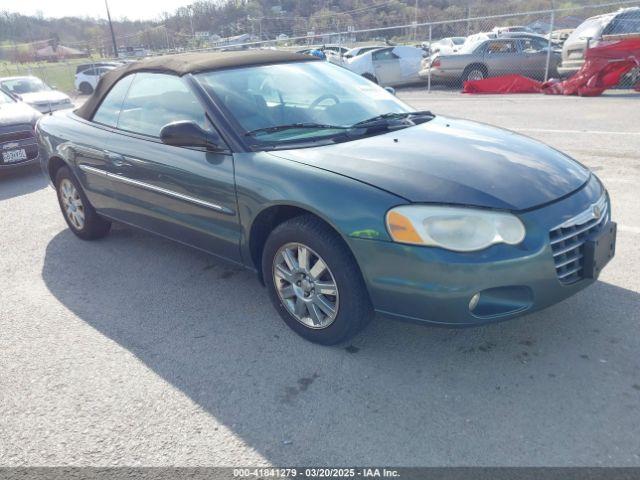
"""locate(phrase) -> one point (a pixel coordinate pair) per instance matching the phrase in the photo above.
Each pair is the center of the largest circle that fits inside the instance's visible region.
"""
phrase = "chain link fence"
(435, 54)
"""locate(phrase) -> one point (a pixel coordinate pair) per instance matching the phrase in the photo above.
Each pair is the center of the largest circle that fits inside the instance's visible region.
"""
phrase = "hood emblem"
(597, 212)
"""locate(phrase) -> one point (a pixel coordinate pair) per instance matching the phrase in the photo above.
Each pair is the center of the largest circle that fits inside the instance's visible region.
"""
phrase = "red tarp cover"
(603, 68)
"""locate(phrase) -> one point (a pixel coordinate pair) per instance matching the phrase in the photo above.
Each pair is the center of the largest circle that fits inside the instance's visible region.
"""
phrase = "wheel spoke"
(324, 305)
(326, 288)
(314, 313)
(284, 274)
(290, 261)
(300, 307)
(288, 292)
(303, 257)
(318, 269)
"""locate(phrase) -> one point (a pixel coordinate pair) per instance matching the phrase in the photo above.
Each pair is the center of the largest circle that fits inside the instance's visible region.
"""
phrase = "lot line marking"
(591, 132)
(625, 228)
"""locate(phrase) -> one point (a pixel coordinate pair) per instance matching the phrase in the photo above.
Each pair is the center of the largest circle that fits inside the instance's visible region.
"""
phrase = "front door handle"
(116, 159)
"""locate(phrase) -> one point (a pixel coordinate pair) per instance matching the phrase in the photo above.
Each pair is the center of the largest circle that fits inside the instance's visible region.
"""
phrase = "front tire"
(314, 282)
(80, 216)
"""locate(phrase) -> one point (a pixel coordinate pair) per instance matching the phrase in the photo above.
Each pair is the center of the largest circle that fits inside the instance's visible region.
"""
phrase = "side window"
(89, 71)
(109, 109)
(501, 47)
(156, 99)
(533, 45)
(386, 54)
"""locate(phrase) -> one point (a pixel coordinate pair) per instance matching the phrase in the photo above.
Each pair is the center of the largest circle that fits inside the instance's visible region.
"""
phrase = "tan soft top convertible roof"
(184, 63)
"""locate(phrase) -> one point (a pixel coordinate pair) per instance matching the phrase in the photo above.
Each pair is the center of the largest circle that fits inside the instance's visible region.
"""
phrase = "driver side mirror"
(391, 90)
(186, 133)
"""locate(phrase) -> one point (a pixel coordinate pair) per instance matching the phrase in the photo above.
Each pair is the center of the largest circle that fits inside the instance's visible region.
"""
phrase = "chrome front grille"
(567, 240)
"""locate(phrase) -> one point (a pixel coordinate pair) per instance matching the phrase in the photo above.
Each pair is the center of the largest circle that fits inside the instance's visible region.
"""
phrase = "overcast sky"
(132, 9)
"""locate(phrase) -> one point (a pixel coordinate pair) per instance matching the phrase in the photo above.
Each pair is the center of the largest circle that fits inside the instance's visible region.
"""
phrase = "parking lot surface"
(137, 351)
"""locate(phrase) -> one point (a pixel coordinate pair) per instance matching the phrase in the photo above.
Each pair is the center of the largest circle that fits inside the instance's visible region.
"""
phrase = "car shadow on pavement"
(21, 181)
(400, 394)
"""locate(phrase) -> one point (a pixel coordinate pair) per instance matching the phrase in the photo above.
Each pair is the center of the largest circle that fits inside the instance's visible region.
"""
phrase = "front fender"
(354, 209)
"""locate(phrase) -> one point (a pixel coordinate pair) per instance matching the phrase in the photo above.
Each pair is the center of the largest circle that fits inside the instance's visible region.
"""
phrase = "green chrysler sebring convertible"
(345, 201)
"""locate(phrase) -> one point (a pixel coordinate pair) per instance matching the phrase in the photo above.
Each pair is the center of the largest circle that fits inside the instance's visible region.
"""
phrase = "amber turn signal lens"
(401, 229)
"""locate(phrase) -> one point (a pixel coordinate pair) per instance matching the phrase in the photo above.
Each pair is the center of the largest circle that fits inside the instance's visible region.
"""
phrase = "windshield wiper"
(278, 128)
(382, 120)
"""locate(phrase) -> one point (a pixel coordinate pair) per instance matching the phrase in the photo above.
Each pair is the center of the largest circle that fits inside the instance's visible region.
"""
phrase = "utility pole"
(193, 32)
(415, 22)
(549, 43)
(113, 35)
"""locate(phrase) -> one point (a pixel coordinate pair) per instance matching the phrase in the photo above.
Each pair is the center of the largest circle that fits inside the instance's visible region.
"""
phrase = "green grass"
(60, 74)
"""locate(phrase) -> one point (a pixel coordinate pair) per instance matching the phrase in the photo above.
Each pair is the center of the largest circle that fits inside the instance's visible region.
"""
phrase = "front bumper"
(433, 285)
(568, 68)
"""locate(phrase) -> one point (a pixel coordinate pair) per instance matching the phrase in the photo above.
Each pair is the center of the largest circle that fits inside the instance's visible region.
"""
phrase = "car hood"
(45, 96)
(14, 113)
(455, 162)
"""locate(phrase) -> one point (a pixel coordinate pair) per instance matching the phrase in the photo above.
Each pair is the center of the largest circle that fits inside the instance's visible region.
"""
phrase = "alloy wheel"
(72, 203)
(305, 285)
(475, 74)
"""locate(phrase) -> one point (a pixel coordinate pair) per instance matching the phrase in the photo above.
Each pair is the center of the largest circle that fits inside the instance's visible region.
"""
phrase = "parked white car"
(389, 66)
(448, 45)
(87, 80)
(354, 52)
(34, 92)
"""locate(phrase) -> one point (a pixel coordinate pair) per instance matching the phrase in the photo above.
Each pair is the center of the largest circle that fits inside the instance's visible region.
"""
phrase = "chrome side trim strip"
(153, 188)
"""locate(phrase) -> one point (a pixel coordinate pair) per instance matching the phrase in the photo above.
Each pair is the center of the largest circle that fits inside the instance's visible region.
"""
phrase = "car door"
(410, 61)
(187, 194)
(86, 76)
(386, 66)
(503, 57)
(534, 51)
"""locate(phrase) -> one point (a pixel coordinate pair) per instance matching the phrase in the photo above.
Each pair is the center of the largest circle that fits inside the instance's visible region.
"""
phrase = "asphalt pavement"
(137, 351)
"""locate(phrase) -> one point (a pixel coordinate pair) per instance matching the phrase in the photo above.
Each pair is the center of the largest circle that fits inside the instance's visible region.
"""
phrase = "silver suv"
(590, 32)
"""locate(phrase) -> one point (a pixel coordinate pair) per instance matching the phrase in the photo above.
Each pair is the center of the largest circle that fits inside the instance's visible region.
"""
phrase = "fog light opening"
(499, 301)
(473, 303)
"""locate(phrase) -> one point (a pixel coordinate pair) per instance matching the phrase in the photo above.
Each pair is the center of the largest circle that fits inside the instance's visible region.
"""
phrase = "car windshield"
(626, 22)
(4, 98)
(590, 28)
(25, 85)
(458, 40)
(297, 102)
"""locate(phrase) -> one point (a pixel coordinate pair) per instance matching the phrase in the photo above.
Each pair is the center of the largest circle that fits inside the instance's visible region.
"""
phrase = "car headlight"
(453, 228)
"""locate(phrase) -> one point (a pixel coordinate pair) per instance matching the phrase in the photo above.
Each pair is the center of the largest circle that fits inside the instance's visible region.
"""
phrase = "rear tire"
(302, 291)
(80, 216)
(86, 88)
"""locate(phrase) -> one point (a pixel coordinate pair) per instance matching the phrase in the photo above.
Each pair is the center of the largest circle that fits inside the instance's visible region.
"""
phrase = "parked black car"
(18, 144)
